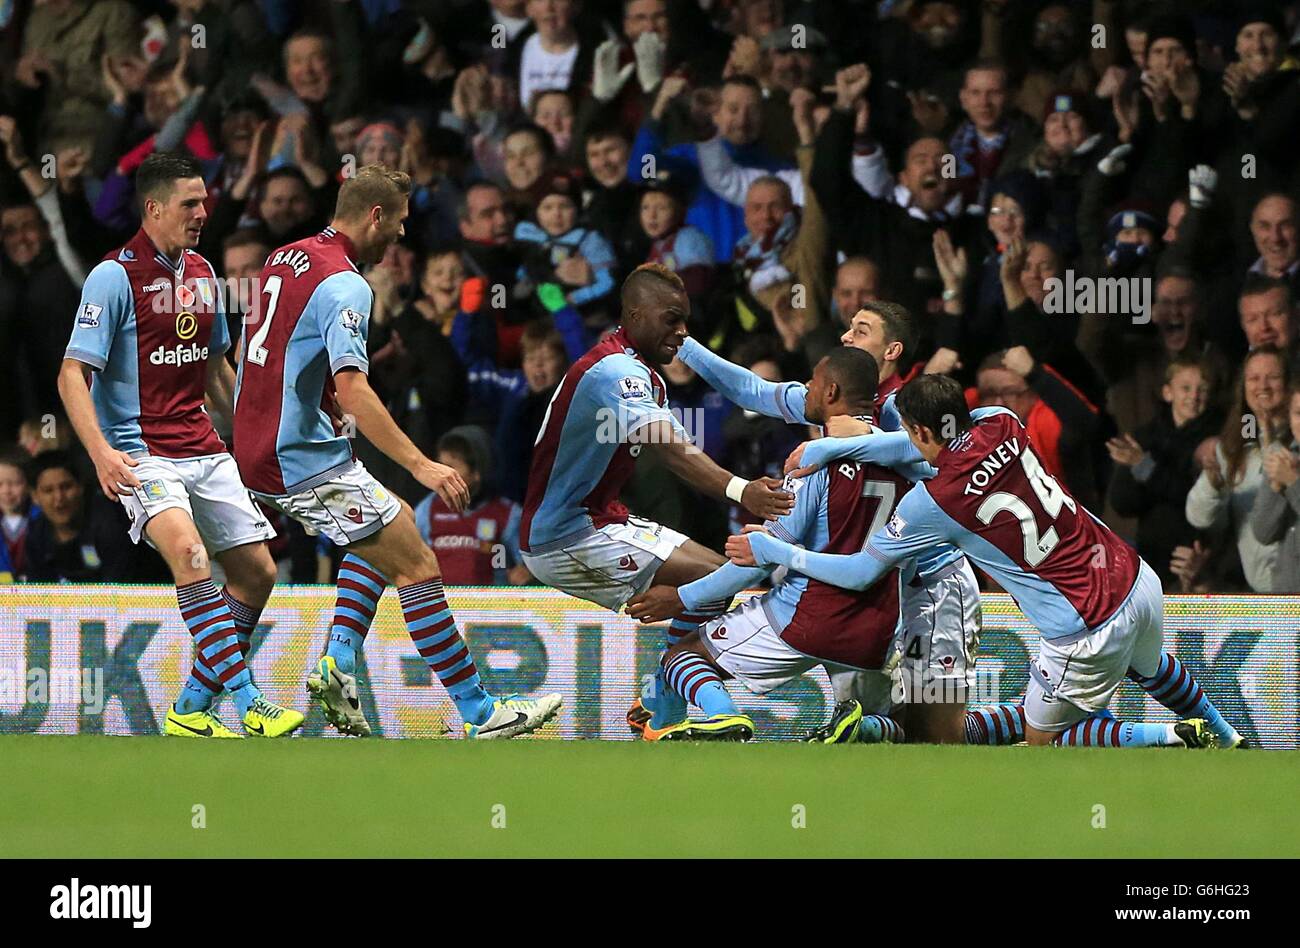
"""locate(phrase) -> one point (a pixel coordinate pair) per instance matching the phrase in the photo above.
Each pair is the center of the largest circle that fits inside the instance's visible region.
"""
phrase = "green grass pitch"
(136, 797)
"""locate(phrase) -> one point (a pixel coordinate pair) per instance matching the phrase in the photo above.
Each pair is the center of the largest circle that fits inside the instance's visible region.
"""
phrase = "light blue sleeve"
(742, 387)
(912, 530)
(600, 255)
(105, 305)
(990, 411)
(712, 593)
(889, 419)
(341, 308)
(511, 536)
(624, 394)
(422, 519)
(220, 341)
(809, 498)
(890, 449)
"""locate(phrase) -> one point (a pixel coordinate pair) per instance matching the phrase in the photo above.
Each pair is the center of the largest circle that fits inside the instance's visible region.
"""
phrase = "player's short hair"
(157, 175)
(372, 186)
(936, 402)
(855, 372)
(898, 322)
(648, 278)
(541, 135)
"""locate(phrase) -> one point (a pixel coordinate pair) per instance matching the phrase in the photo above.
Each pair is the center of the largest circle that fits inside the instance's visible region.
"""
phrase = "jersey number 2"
(257, 352)
(1049, 494)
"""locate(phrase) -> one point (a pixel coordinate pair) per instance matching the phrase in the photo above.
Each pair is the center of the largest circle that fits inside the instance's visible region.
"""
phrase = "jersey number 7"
(1049, 495)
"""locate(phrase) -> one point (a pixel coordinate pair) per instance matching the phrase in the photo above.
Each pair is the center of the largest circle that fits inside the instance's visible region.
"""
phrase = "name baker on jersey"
(297, 260)
(997, 459)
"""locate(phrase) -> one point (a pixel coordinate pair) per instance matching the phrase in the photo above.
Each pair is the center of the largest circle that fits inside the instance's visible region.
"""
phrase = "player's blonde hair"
(372, 186)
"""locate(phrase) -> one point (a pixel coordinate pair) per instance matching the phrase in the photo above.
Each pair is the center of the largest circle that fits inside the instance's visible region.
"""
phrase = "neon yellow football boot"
(196, 724)
(264, 719)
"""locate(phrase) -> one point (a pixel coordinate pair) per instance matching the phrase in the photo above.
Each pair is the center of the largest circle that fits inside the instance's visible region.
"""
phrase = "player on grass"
(304, 349)
(152, 330)
(939, 601)
(801, 623)
(574, 534)
(1097, 606)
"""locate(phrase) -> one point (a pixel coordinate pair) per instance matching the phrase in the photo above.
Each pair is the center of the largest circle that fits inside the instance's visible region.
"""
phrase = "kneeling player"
(938, 635)
(1098, 607)
(309, 347)
(801, 623)
(574, 534)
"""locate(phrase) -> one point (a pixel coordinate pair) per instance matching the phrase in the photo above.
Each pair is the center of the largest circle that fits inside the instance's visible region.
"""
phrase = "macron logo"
(103, 901)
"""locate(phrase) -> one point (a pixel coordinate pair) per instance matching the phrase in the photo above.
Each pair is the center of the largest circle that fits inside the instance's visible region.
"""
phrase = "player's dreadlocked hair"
(936, 402)
(158, 174)
(648, 278)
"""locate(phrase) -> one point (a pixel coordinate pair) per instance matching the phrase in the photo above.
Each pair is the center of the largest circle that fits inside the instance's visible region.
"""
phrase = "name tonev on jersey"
(997, 459)
(297, 260)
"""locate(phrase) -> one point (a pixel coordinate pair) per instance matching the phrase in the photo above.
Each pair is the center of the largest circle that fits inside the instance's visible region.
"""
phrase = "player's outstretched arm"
(852, 571)
(762, 497)
(112, 467)
(742, 387)
(359, 401)
(706, 595)
(891, 449)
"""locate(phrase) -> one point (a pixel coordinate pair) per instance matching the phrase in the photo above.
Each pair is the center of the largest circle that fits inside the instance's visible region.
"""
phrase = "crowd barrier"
(109, 659)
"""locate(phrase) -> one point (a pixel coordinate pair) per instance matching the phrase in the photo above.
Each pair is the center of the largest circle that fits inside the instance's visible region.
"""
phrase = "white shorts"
(1069, 682)
(610, 566)
(349, 507)
(939, 635)
(208, 489)
(744, 645)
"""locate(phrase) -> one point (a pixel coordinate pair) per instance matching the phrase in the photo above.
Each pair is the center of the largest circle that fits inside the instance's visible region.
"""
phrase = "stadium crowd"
(1084, 211)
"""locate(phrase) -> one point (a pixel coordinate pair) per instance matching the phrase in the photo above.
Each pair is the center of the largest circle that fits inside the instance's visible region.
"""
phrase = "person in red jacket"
(479, 547)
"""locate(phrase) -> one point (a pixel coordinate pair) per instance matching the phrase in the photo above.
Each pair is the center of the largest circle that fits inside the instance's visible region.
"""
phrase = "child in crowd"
(480, 546)
(1156, 466)
(684, 249)
(564, 252)
(16, 512)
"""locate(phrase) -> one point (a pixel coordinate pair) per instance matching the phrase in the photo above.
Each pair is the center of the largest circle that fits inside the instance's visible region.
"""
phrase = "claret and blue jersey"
(836, 509)
(991, 498)
(148, 325)
(583, 455)
(311, 320)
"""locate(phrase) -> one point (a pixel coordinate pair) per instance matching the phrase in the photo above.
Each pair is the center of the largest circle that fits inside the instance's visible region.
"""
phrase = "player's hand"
(764, 498)
(794, 465)
(739, 551)
(846, 426)
(113, 470)
(656, 604)
(445, 482)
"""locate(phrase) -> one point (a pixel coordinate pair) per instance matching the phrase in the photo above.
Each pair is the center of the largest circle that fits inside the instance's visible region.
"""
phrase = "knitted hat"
(1260, 11)
(1131, 216)
(1070, 100)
